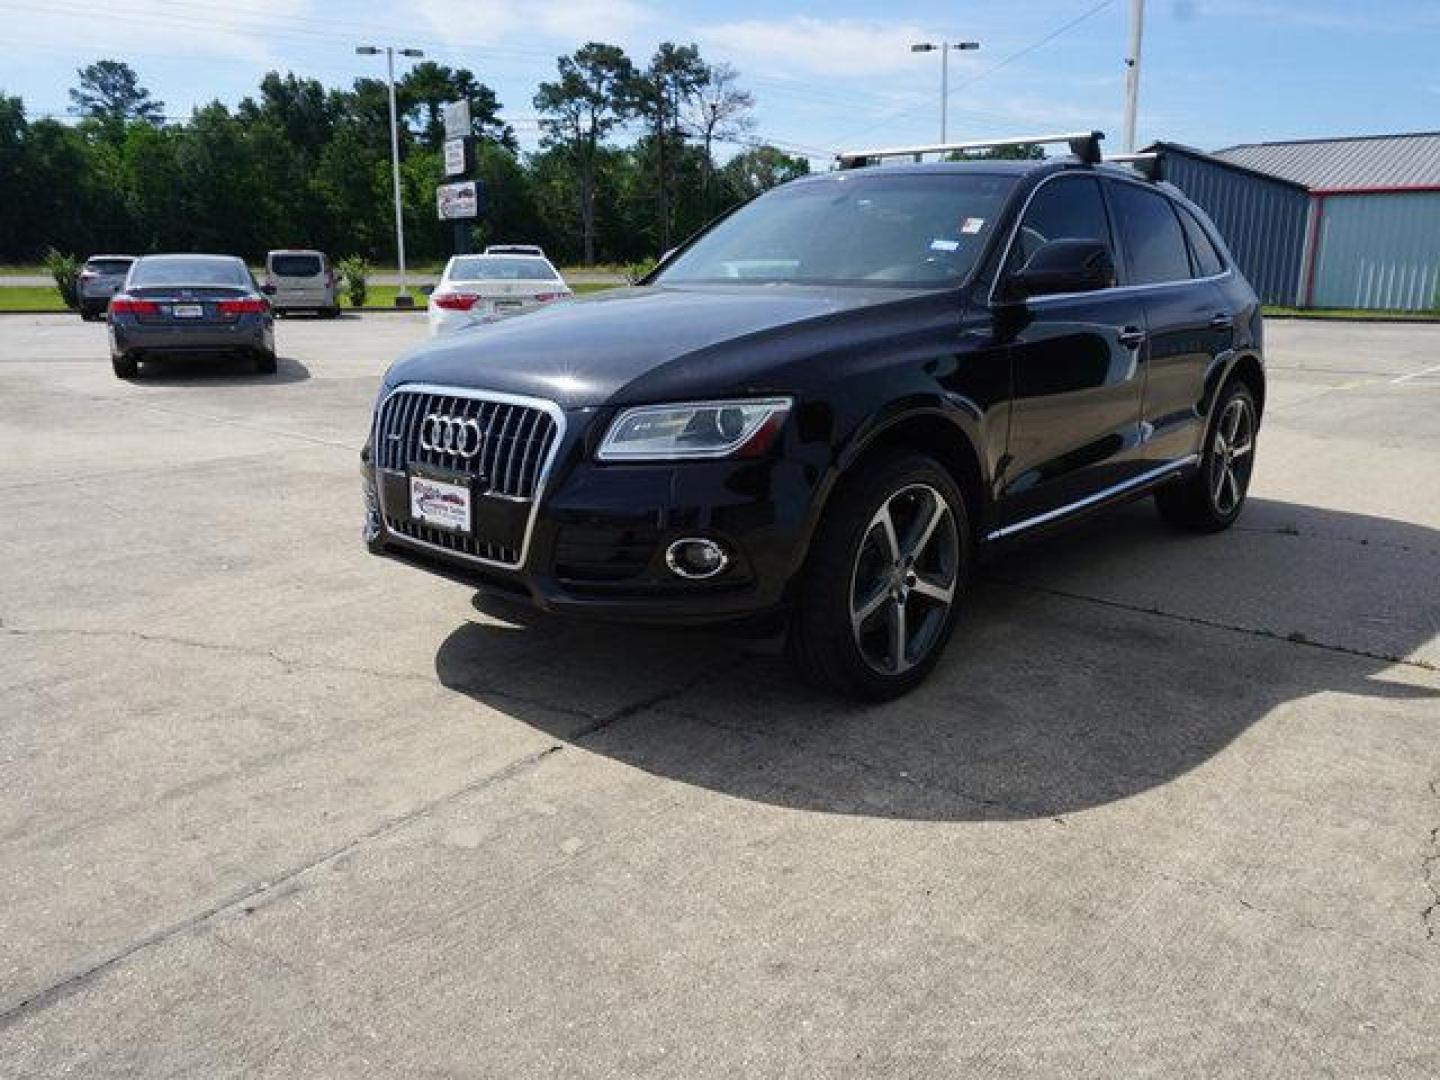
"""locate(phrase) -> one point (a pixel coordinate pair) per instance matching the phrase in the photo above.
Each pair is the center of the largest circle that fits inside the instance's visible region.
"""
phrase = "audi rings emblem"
(450, 435)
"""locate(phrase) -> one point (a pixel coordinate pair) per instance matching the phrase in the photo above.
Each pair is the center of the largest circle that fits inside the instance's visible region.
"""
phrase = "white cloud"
(569, 22)
(831, 47)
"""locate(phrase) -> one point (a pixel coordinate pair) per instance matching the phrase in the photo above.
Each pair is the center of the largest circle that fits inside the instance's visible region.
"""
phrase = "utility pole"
(1132, 73)
(402, 298)
(944, 48)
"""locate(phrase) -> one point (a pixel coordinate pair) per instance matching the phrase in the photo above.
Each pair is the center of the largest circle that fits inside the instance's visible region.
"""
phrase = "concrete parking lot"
(272, 807)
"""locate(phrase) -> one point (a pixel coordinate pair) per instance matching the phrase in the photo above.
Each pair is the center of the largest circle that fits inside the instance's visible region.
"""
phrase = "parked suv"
(301, 280)
(825, 404)
(100, 278)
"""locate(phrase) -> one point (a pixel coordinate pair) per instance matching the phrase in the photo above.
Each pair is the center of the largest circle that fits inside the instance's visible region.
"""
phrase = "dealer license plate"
(435, 502)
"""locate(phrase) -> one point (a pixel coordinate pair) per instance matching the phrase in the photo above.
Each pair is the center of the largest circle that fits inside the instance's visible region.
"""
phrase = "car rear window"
(196, 271)
(109, 266)
(501, 268)
(296, 265)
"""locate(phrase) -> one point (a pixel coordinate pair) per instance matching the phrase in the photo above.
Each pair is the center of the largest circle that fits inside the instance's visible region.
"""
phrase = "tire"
(1212, 498)
(265, 362)
(126, 366)
(332, 312)
(858, 584)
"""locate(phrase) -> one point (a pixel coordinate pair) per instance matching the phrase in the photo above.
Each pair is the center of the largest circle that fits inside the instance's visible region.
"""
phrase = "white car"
(477, 288)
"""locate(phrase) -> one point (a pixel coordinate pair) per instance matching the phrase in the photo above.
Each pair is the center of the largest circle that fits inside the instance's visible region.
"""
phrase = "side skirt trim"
(1133, 483)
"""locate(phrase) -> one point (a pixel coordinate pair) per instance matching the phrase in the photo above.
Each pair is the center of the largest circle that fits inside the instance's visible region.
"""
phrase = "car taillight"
(242, 307)
(546, 297)
(128, 305)
(455, 301)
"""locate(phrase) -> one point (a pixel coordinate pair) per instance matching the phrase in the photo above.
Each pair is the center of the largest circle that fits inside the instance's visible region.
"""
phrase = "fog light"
(696, 558)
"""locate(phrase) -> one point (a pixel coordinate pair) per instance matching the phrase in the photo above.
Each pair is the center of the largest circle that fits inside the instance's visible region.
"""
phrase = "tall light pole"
(402, 298)
(1132, 73)
(944, 48)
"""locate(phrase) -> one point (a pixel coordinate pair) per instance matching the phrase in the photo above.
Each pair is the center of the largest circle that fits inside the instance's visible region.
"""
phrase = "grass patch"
(30, 298)
(1350, 313)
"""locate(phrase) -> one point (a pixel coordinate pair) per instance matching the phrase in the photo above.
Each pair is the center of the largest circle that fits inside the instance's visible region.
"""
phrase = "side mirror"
(268, 290)
(1063, 266)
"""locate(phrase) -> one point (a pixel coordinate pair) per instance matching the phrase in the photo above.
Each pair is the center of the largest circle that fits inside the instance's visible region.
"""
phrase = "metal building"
(1263, 218)
(1351, 223)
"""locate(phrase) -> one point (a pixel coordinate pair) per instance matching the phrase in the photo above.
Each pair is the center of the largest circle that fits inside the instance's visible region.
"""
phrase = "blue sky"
(826, 77)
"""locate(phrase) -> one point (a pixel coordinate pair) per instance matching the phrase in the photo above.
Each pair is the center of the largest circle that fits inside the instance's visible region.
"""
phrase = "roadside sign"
(455, 201)
(457, 119)
(454, 157)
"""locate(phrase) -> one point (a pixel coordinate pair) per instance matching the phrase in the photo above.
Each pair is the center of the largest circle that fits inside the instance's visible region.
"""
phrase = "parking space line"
(1415, 375)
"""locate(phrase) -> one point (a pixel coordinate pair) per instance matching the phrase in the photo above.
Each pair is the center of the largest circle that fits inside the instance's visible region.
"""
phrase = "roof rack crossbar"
(1083, 144)
(1146, 164)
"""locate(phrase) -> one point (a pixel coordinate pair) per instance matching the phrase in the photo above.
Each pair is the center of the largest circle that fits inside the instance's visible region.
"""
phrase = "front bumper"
(600, 532)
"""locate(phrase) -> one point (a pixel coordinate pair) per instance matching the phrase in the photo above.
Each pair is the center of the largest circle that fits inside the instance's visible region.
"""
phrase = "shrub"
(637, 270)
(355, 272)
(65, 269)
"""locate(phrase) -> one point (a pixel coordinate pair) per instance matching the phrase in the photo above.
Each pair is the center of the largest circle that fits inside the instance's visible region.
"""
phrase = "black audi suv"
(822, 406)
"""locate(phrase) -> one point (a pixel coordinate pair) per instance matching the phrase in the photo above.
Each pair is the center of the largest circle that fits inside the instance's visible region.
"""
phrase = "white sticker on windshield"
(972, 225)
(944, 245)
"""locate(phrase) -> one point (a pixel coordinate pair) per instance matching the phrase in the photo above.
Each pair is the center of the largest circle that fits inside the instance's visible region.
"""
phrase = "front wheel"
(1211, 499)
(882, 588)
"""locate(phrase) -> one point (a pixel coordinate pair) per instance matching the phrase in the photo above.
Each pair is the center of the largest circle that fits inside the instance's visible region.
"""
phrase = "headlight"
(705, 429)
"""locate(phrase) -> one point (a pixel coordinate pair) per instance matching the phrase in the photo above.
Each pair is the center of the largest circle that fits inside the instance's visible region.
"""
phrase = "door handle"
(1222, 320)
(1132, 337)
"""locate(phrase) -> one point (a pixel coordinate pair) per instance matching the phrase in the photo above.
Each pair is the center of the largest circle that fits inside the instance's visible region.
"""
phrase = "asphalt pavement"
(271, 807)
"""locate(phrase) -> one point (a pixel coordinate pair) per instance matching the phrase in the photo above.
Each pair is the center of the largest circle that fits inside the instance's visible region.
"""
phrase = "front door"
(1077, 366)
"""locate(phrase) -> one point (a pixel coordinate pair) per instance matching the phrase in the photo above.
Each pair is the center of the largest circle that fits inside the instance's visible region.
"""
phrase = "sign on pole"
(454, 201)
(457, 119)
(454, 157)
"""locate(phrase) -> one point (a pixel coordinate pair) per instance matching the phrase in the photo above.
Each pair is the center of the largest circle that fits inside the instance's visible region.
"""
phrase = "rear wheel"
(886, 573)
(126, 366)
(265, 362)
(1213, 497)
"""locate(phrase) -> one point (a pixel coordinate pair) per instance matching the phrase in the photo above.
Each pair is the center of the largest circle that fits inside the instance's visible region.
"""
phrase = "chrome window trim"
(1099, 496)
(553, 410)
(1115, 290)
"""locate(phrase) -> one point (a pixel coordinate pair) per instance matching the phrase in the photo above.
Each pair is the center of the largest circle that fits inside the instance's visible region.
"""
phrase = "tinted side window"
(1154, 245)
(1207, 259)
(1069, 209)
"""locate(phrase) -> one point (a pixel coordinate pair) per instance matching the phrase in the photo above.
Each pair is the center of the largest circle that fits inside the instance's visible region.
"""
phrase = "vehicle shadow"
(213, 371)
(1091, 665)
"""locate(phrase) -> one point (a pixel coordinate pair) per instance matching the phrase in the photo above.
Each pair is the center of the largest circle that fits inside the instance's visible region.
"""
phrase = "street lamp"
(402, 298)
(944, 48)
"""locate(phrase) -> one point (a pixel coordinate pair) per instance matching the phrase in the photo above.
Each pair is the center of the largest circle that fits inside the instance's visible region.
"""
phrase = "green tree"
(580, 109)
(425, 90)
(110, 90)
(656, 96)
(747, 175)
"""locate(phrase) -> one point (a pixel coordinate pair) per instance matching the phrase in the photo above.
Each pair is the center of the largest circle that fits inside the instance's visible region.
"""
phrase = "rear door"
(1076, 368)
(299, 278)
(1190, 329)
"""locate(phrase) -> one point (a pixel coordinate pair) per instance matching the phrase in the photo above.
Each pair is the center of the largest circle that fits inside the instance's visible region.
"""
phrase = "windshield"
(295, 265)
(196, 271)
(501, 268)
(924, 229)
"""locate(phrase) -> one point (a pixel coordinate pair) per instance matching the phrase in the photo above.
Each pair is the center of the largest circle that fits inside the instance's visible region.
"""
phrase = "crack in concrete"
(1292, 638)
(243, 898)
(1430, 874)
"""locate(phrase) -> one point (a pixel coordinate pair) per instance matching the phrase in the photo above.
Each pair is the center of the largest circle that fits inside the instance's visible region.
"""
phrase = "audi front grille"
(504, 443)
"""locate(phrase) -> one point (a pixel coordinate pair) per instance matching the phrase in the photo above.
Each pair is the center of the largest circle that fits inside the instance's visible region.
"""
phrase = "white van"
(301, 280)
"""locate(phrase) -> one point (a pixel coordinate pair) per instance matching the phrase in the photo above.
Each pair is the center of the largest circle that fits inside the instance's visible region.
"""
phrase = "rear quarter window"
(1208, 262)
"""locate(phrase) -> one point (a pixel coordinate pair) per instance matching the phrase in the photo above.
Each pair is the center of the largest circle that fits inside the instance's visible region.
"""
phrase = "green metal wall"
(1379, 252)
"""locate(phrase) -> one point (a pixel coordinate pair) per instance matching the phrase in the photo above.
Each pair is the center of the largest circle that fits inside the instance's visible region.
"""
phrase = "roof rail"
(1083, 144)
(1146, 164)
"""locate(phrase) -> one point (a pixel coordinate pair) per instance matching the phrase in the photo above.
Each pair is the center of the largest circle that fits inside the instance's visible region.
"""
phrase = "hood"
(586, 352)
